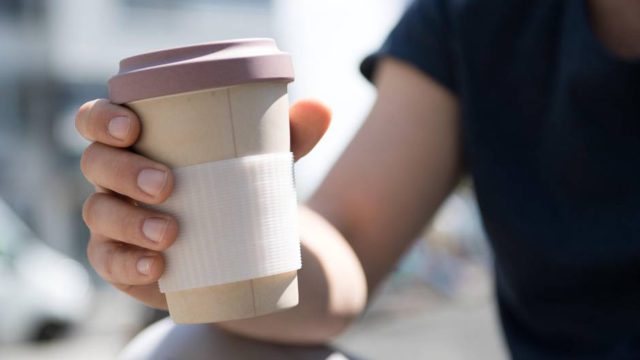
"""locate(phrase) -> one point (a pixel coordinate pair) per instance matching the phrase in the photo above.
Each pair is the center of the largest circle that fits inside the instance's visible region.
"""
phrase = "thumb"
(309, 120)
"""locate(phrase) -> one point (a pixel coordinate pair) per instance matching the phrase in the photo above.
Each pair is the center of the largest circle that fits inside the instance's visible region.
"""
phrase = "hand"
(127, 241)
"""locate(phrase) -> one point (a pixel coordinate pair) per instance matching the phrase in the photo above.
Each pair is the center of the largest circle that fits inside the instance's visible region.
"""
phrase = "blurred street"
(114, 320)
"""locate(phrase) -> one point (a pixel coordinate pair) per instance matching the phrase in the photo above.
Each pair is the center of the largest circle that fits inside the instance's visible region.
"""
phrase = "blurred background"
(55, 55)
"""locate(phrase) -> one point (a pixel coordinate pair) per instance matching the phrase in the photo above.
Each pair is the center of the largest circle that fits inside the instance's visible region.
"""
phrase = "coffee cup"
(218, 115)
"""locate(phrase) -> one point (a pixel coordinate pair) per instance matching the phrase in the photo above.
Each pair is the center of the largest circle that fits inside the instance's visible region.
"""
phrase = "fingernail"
(119, 127)
(154, 228)
(144, 265)
(152, 181)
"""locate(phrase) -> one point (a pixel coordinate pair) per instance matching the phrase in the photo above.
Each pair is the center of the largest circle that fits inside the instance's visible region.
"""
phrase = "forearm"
(398, 169)
(332, 288)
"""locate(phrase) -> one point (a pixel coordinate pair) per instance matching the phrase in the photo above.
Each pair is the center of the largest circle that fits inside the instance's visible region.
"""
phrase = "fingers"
(132, 270)
(119, 220)
(123, 264)
(107, 123)
(125, 244)
(309, 121)
(125, 239)
(127, 173)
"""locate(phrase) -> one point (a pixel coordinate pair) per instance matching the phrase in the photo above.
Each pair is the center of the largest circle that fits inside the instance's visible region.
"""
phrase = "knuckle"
(87, 159)
(96, 112)
(88, 209)
(90, 118)
(108, 262)
(92, 254)
(84, 109)
(82, 115)
(90, 250)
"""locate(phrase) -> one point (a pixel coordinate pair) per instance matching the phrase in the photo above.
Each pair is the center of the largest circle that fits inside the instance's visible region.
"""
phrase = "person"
(538, 101)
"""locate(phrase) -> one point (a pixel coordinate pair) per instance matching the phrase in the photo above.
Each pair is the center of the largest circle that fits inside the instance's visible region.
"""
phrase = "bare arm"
(388, 183)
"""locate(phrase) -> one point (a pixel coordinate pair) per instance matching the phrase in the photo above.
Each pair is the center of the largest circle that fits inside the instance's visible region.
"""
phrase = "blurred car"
(42, 292)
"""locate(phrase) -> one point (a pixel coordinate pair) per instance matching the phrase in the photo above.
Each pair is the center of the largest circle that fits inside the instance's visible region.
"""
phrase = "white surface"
(238, 221)
(114, 319)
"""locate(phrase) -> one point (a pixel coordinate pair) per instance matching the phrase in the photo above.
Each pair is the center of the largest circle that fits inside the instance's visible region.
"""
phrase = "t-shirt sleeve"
(422, 38)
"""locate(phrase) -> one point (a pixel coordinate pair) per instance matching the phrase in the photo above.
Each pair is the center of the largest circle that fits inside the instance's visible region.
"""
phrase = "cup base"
(238, 300)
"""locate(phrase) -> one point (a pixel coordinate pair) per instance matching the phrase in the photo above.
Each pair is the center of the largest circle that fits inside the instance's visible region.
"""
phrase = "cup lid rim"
(198, 67)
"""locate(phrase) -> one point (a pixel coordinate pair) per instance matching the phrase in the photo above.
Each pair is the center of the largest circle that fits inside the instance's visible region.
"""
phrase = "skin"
(117, 240)
(617, 24)
(354, 229)
(391, 179)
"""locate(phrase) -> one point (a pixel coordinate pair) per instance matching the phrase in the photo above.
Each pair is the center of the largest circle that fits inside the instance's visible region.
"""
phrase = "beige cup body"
(211, 125)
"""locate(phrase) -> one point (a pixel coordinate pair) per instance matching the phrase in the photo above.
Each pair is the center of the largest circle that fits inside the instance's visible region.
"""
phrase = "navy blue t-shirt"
(551, 129)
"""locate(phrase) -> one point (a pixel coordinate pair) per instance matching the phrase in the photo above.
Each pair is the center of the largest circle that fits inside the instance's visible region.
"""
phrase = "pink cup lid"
(199, 67)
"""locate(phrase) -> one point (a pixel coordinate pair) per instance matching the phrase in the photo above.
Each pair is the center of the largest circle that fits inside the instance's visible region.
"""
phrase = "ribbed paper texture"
(238, 221)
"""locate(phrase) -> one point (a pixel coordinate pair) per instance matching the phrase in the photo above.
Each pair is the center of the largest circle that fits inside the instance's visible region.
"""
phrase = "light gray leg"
(165, 340)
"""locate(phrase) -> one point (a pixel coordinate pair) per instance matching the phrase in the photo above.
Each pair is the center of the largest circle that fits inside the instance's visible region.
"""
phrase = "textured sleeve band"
(238, 221)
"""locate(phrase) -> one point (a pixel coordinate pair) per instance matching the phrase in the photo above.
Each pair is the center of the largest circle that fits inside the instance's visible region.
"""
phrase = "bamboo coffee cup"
(209, 103)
